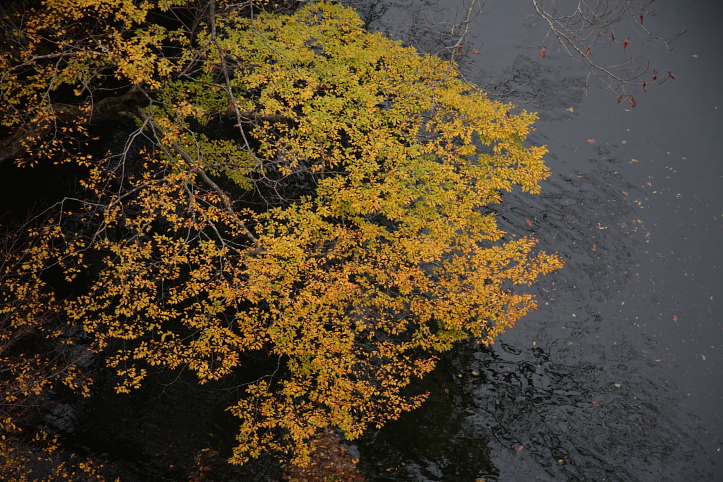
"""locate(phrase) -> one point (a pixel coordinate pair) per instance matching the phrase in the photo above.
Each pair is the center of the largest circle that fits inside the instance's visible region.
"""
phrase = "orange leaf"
(675, 318)
(591, 141)
(597, 404)
(542, 53)
(625, 44)
(529, 223)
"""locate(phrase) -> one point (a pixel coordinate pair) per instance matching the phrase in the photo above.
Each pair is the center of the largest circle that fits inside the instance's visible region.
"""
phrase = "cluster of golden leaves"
(37, 354)
(390, 259)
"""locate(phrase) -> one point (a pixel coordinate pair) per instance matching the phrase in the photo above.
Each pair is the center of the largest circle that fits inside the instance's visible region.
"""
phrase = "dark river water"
(619, 374)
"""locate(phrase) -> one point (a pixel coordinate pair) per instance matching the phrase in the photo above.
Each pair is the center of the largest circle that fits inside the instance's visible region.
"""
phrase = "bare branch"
(195, 165)
(580, 26)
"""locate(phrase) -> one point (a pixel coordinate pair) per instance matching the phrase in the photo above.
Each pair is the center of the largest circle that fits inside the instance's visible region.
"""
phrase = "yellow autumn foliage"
(310, 192)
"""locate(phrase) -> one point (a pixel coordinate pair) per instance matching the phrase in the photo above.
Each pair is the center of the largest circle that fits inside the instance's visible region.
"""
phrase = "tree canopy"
(293, 188)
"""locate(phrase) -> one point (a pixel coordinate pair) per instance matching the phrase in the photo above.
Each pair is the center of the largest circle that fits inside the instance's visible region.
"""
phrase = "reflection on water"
(565, 395)
(588, 387)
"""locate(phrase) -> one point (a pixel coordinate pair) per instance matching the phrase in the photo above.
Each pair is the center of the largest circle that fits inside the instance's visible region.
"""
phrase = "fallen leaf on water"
(476, 51)
(591, 141)
(542, 53)
(520, 447)
(702, 356)
(649, 184)
(597, 404)
(624, 141)
(625, 44)
(675, 318)
(529, 223)
(571, 109)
